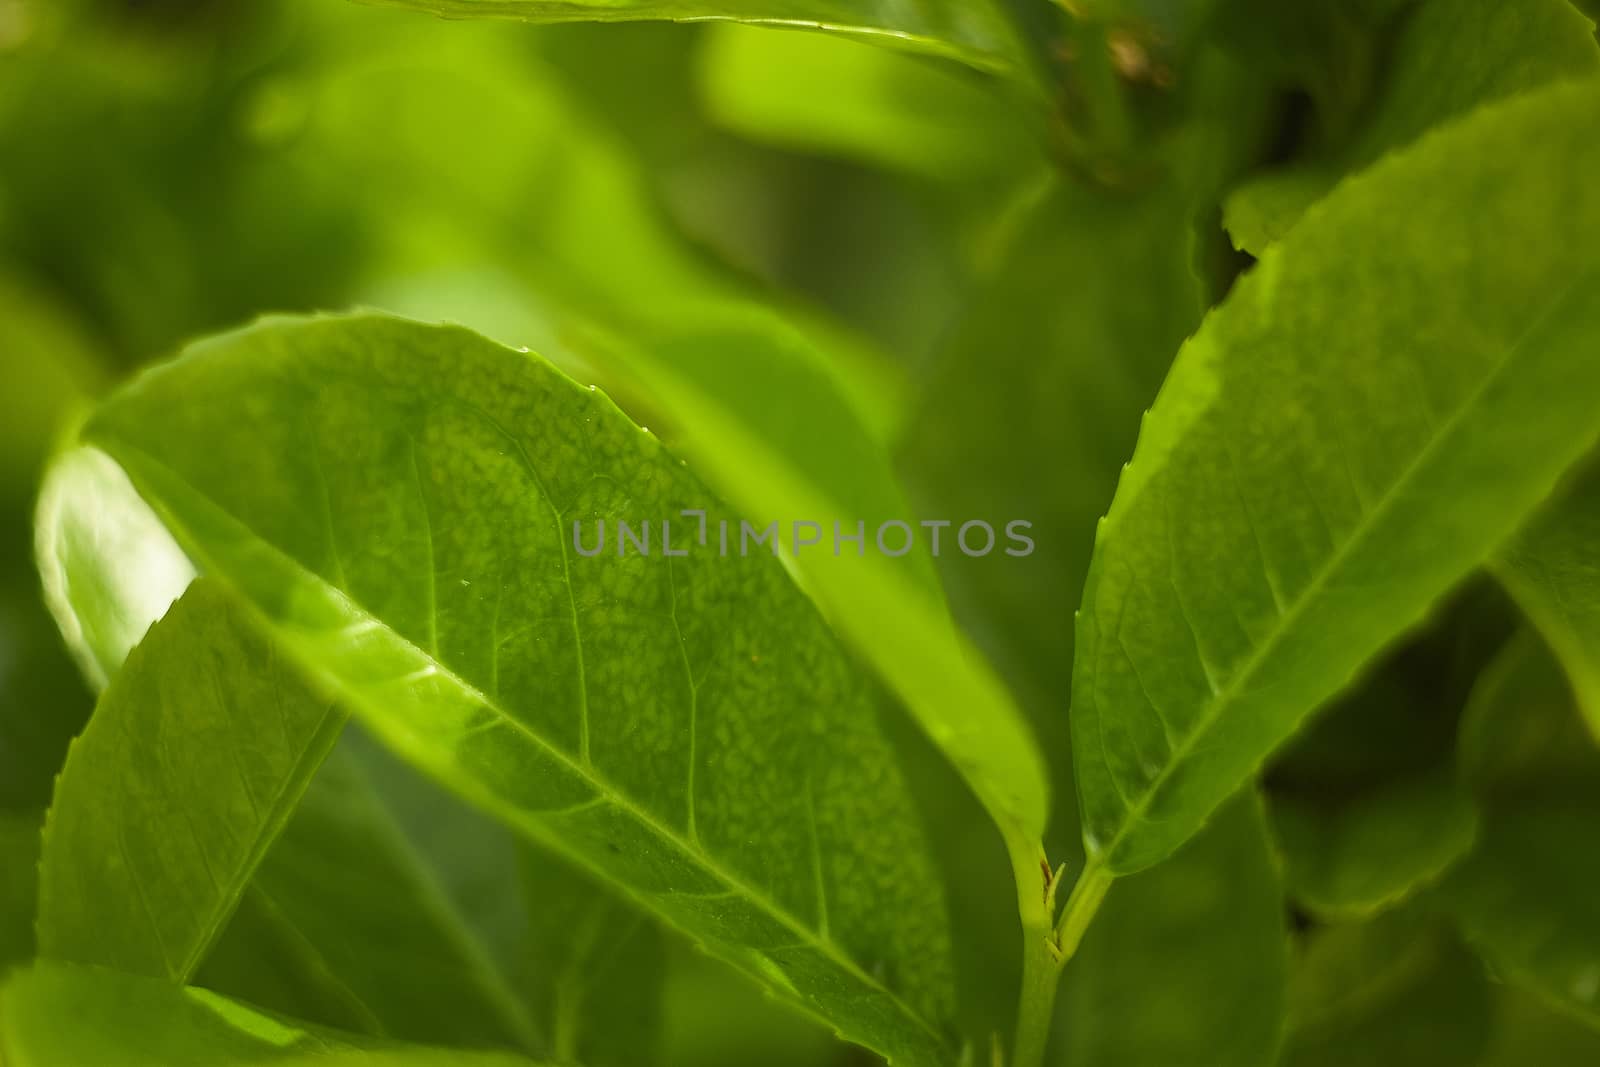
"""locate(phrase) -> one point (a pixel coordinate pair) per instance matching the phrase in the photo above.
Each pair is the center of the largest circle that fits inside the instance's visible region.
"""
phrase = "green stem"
(1087, 893)
(1046, 944)
(1040, 976)
(1031, 870)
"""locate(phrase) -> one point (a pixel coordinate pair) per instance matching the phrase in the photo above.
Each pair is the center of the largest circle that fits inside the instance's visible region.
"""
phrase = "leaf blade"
(106, 840)
(513, 732)
(1293, 613)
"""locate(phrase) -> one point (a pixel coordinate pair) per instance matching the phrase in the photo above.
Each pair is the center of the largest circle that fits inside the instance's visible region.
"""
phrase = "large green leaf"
(1186, 963)
(1451, 56)
(1553, 571)
(59, 1015)
(1521, 897)
(972, 31)
(398, 502)
(1263, 543)
(194, 760)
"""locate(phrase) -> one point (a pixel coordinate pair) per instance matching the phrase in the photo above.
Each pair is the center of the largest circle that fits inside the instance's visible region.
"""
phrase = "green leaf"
(1552, 570)
(881, 107)
(56, 1014)
(195, 757)
(19, 882)
(1451, 57)
(1400, 989)
(1263, 545)
(1190, 956)
(975, 32)
(1356, 858)
(1365, 803)
(398, 501)
(323, 941)
(1521, 898)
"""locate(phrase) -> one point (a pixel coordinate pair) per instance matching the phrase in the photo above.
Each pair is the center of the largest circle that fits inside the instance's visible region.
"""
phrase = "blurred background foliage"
(997, 287)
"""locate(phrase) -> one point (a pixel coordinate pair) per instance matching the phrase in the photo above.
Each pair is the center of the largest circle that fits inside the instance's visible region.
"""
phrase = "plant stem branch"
(1082, 904)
